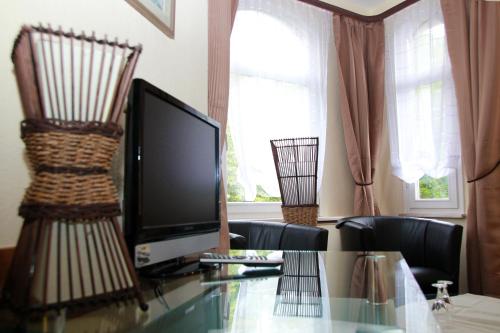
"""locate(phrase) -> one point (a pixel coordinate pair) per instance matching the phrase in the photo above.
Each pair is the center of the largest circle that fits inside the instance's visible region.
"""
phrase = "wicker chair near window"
(296, 162)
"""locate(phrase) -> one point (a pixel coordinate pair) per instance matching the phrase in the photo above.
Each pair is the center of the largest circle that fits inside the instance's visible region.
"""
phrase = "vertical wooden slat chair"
(296, 162)
(71, 250)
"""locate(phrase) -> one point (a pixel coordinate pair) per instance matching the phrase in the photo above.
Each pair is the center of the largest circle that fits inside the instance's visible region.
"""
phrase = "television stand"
(175, 268)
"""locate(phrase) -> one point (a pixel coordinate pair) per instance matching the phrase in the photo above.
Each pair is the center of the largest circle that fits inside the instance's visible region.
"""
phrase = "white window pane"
(421, 102)
(261, 45)
(279, 53)
(271, 109)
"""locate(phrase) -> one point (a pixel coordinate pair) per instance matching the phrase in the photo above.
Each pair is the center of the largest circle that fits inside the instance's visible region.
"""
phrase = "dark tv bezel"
(135, 232)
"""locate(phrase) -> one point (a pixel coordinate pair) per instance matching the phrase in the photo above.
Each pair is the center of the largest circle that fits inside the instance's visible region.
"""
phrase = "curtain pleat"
(360, 51)
(473, 34)
(221, 16)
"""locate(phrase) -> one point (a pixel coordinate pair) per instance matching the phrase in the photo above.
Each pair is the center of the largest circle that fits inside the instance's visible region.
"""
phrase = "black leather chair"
(430, 247)
(261, 235)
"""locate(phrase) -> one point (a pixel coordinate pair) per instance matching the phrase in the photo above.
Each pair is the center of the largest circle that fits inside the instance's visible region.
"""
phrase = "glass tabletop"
(331, 291)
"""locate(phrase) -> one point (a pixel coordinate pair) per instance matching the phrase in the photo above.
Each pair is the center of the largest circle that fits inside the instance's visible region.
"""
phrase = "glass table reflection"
(330, 291)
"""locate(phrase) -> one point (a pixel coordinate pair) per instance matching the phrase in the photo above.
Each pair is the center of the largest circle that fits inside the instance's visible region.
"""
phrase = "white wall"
(178, 66)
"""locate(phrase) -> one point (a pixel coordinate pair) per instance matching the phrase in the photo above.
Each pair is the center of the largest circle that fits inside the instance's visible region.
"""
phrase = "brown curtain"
(360, 51)
(221, 16)
(473, 34)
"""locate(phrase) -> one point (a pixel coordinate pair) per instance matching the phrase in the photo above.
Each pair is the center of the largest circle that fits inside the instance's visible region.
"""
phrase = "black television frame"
(134, 231)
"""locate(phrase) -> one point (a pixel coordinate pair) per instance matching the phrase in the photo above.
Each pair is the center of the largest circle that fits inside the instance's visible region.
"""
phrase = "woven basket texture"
(71, 164)
(59, 150)
(306, 215)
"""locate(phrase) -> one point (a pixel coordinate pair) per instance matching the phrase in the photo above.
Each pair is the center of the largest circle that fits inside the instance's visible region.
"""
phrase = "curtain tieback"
(363, 184)
(486, 174)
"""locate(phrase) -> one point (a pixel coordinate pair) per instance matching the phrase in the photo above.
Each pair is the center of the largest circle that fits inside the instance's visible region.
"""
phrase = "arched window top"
(279, 54)
(430, 28)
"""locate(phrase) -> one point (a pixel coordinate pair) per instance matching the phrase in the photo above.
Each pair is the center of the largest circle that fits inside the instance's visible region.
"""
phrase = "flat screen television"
(171, 193)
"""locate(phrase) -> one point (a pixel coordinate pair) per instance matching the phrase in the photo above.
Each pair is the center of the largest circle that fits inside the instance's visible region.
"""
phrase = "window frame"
(452, 207)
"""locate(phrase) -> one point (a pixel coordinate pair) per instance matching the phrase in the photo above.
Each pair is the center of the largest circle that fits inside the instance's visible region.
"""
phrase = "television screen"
(179, 166)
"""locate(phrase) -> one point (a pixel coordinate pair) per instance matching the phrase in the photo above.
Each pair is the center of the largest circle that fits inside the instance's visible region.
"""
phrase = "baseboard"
(6, 255)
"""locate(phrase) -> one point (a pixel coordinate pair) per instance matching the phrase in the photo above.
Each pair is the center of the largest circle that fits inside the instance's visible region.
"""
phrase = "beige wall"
(388, 188)
(177, 66)
(337, 190)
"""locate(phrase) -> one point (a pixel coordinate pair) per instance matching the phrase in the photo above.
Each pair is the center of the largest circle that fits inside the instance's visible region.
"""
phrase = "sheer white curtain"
(420, 94)
(279, 52)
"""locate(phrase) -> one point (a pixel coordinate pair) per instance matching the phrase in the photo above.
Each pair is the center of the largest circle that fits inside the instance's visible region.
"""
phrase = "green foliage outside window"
(235, 192)
(262, 196)
(234, 189)
(433, 188)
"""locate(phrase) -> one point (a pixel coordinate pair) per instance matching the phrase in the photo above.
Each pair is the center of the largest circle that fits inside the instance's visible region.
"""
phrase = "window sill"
(329, 219)
(436, 215)
(321, 219)
(254, 211)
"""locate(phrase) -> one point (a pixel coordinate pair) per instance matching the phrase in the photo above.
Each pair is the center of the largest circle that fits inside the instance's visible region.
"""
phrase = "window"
(436, 197)
(277, 90)
(422, 113)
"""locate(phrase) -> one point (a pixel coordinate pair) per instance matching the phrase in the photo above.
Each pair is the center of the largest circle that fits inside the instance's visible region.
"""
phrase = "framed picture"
(159, 12)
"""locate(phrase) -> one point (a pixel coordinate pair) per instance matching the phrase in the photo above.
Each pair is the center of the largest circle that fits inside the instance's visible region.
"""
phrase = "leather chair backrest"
(300, 237)
(442, 246)
(387, 234)
(266, 235)
(422, 242)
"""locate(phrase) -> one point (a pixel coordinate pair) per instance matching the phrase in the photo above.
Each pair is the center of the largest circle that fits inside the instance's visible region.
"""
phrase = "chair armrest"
(237, 242)
(351, 224)
(241, 228)
(356, 236)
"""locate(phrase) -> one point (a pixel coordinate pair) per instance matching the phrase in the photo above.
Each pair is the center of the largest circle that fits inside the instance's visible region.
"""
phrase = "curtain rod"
(364, 18)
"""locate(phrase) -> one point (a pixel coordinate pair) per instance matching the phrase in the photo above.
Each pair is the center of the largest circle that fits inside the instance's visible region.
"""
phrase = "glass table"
(330, 291)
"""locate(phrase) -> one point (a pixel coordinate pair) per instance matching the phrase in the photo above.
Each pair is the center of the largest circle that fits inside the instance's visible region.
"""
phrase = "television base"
(175, 268)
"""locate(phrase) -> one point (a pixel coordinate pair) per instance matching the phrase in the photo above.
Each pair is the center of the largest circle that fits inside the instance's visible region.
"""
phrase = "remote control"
(215, 258)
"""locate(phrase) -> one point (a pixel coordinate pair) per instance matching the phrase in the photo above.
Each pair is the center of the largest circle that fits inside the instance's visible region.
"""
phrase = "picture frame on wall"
(159, 12)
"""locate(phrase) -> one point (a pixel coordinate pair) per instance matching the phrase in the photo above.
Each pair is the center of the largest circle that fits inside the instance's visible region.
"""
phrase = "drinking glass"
(446, 296)
(439, 304)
